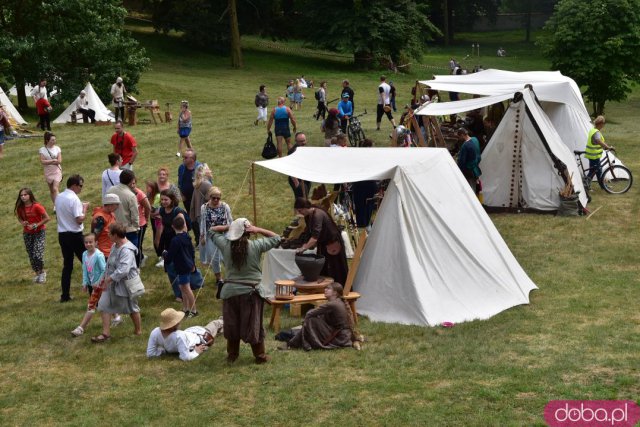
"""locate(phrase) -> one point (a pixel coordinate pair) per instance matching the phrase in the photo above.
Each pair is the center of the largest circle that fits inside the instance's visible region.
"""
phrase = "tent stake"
(253, 187)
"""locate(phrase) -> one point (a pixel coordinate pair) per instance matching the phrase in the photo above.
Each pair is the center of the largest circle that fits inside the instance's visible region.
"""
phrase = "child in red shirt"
(33, 217)
(44, 108)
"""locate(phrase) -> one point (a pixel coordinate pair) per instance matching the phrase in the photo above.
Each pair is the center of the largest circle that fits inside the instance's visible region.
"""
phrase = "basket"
(284, 289)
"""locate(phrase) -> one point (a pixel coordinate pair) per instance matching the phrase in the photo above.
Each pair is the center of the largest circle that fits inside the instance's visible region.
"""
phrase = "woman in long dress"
(329, 326)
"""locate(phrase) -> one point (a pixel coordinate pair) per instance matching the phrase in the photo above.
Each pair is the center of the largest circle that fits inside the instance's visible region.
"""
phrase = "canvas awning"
(453, 107)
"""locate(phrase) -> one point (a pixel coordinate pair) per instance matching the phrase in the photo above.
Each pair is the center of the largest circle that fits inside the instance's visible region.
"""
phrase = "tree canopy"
(69, 42)
(595, 42)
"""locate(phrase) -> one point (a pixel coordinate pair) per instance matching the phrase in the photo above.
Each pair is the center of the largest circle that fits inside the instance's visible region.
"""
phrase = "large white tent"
(103, 114)
(559, 97)
(524, 162)
(9, 108)
(433, 254)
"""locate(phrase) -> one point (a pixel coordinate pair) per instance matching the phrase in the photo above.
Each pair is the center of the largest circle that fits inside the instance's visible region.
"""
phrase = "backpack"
(269, 150)
(318, 95)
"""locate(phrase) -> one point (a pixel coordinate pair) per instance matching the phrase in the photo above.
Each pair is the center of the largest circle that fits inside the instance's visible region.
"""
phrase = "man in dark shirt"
(300, 187)
(347, 89)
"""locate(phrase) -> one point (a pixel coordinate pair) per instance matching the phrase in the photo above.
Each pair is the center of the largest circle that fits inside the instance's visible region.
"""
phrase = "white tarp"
(559, 95)
(454, 107)
(433, 254)
(517, 167)
(103, 114)
(9, 108)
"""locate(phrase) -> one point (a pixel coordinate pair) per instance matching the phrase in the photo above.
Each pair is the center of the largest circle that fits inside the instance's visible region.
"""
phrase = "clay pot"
(310, 266)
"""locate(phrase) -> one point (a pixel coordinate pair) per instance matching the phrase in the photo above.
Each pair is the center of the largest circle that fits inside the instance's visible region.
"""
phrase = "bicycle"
(615, 179)
(354, 130)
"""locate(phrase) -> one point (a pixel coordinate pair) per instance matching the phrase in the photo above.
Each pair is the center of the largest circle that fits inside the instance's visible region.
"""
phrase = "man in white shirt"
(70, 213)
(188, 344)
(111, 176)
(117, 95)
(384, 102)
(82, 107)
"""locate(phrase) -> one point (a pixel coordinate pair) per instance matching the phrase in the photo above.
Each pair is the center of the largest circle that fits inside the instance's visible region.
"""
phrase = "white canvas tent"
(9, 108)
(522, 162)
(103, 114)
(559, 97)
(433, 254)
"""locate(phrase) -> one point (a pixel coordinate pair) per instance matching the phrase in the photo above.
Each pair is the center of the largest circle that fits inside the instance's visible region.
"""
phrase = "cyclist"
(345, 111)
(595, 145)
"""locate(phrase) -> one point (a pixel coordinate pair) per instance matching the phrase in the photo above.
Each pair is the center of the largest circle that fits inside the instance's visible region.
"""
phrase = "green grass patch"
(578, 339)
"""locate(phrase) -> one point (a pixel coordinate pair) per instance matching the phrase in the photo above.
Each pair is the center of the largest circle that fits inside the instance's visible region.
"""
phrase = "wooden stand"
(154, 109)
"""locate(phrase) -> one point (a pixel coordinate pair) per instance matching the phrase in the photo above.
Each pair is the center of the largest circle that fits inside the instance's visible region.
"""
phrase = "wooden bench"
(276, 306)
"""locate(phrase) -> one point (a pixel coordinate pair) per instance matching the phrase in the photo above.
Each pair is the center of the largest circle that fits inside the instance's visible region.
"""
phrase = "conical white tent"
(433, 254)
(9, 108)
(103, 114)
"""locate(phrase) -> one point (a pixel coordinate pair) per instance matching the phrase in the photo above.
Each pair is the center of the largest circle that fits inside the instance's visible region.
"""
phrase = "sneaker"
(116, 321)
(143, 262)
(160, 264)
(36, 278)
(77, 331)
(191, 314)
(42, 277)
(178, 154)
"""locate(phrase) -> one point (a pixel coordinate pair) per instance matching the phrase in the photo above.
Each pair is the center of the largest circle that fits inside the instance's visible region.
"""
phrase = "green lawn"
(578, 339)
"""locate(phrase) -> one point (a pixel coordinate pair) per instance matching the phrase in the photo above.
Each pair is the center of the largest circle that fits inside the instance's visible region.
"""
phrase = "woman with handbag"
(51, 159)
(325, 234)
(121, 284)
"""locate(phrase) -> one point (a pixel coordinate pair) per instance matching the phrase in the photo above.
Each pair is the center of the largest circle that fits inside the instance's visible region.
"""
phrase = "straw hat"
(170, 318)
(237, 229)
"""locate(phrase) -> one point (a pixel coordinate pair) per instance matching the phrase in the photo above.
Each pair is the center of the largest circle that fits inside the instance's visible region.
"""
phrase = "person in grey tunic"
(327, 327)
(115, 298)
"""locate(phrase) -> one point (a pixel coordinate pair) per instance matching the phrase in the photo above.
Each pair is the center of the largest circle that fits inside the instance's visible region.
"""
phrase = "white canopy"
(103, 114)
(9, 108)
(454, 107)
(559, 95)
(433, 254)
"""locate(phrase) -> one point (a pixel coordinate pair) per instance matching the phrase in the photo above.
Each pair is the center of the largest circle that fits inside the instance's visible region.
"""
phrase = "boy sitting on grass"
(182, 254)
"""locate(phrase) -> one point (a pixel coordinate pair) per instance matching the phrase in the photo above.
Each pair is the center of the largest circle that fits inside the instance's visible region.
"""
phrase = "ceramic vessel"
(310, 266)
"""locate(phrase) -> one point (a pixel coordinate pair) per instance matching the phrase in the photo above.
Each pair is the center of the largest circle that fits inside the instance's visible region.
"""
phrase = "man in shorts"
(281, 115)
(384, 102)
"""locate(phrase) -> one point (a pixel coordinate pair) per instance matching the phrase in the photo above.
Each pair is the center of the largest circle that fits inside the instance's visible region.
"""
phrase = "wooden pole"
(253, 186)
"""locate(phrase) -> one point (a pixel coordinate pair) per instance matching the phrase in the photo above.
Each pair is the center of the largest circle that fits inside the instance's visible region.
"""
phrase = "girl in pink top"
(51, 160)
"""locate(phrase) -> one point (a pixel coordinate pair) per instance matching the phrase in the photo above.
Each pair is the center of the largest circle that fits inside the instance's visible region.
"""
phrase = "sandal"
(100, 338)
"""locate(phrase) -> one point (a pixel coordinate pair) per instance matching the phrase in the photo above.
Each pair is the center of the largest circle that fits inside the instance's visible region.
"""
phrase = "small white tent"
(9, 108)
(433, 254)
(103, 114)
(524, 162)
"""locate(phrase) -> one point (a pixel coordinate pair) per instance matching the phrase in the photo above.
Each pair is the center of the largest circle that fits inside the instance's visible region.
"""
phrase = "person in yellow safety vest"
(595, 146)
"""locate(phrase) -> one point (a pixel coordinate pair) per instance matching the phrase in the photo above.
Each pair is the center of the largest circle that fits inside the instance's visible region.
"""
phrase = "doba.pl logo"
(592, 413)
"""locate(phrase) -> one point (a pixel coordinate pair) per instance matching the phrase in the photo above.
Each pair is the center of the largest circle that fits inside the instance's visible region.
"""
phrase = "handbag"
(269, 151)
(134, 286)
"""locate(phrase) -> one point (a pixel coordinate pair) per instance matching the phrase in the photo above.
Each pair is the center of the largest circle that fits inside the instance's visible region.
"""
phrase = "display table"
(278, 264)
(315, 287)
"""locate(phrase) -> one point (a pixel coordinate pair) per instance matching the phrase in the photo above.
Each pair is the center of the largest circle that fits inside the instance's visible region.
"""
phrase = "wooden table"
(315, 287)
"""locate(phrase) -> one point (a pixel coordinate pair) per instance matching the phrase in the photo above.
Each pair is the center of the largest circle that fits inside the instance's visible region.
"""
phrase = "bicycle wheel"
(353, 138)
(616, 180)
(359, 137)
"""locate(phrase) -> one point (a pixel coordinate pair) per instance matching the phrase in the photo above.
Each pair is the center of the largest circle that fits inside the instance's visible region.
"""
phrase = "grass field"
(578, 339)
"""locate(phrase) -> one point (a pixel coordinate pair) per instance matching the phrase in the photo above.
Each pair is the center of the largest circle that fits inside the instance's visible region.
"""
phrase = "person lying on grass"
(188, 344)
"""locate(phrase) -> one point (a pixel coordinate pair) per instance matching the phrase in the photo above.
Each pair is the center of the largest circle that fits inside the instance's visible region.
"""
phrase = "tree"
(595, 42)
(368, 28)
(236, 46)
(527, 8)
(69, 42)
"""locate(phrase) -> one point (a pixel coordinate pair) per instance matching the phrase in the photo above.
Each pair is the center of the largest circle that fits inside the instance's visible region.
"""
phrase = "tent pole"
(253, 187)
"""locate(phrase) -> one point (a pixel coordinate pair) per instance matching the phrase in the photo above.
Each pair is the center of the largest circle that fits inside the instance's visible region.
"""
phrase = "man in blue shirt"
(469, 157)
(345, 111)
